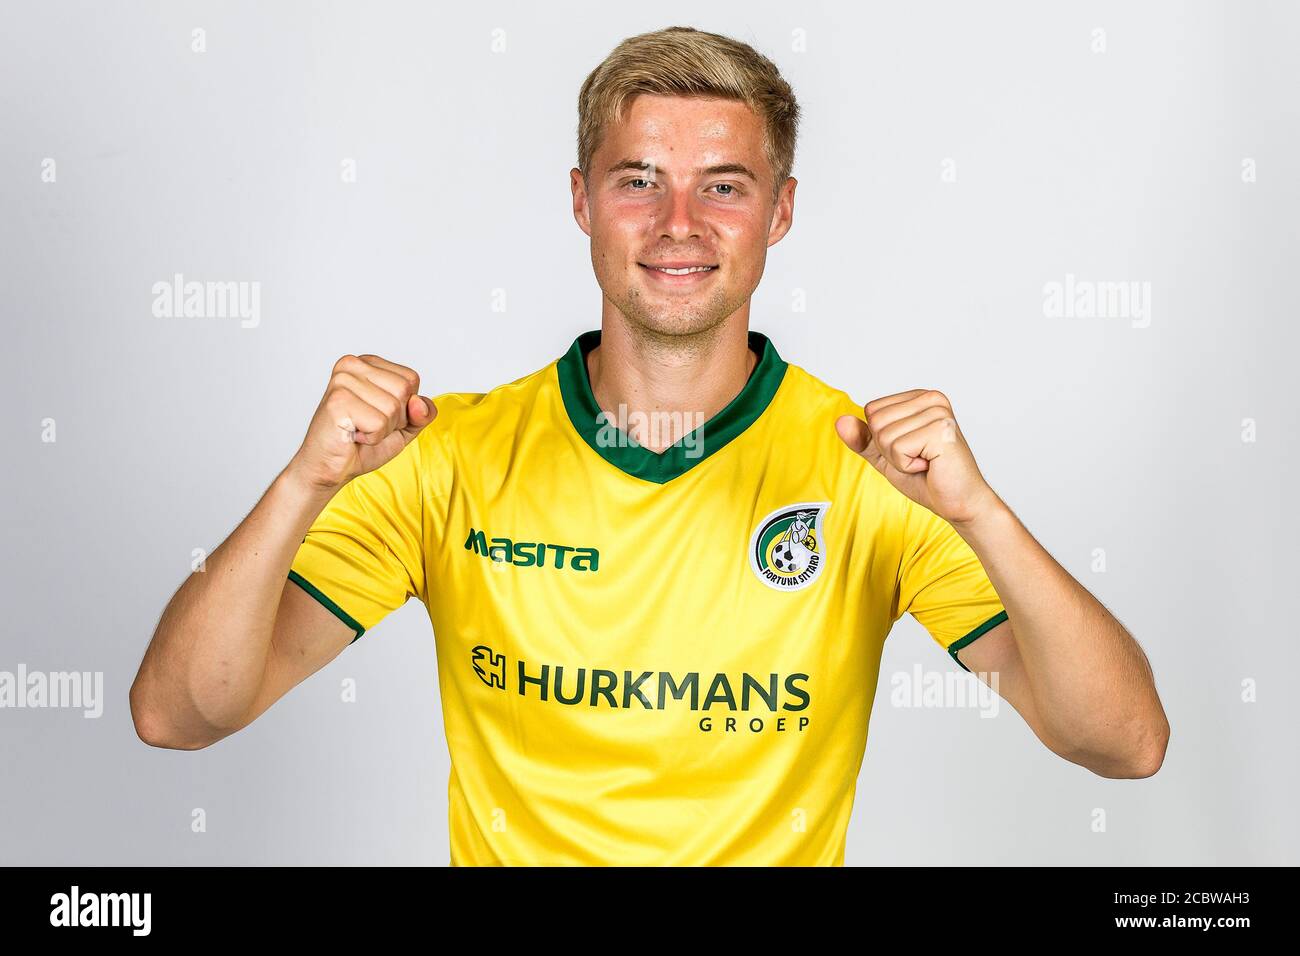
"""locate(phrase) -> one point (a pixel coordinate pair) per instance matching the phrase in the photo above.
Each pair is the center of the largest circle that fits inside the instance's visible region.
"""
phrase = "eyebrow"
(739, 169)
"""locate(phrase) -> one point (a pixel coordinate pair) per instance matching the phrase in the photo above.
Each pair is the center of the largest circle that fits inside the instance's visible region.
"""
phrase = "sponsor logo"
(755, 697)
(490, 667)
(532, 554)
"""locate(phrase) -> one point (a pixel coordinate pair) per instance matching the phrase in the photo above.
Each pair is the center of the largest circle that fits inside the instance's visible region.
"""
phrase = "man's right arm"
(239, 635)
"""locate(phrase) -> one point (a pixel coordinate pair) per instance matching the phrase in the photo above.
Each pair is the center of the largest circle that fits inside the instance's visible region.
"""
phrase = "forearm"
(1090, 681)
(205, 664)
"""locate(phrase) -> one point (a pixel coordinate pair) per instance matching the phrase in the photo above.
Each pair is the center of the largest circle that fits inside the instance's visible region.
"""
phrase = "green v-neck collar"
(624, 453)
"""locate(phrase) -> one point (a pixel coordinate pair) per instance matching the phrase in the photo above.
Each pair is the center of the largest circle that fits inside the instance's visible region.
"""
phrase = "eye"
(648, 182)
(732, 190)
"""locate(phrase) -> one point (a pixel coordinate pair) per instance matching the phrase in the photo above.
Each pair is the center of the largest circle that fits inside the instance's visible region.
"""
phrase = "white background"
(1122, 165)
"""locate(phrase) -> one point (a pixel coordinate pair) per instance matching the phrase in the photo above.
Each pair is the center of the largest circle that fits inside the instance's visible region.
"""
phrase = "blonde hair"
(684, 61)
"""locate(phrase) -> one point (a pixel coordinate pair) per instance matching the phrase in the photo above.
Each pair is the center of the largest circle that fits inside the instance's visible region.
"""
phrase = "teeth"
(683, 272)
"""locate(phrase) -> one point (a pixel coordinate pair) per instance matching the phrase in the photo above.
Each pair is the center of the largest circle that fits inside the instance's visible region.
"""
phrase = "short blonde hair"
(684, 61)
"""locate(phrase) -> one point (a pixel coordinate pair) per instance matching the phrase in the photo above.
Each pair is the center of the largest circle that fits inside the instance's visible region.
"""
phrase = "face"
(681, 182)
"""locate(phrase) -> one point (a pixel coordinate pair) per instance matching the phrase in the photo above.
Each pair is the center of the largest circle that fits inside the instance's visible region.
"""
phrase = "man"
(660, 569)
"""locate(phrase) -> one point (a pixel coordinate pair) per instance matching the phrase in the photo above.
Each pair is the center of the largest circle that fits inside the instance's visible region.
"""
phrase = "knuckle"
(407, 375)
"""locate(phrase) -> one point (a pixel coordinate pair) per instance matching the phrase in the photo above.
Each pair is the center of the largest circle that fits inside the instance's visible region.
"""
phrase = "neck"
(668, 384)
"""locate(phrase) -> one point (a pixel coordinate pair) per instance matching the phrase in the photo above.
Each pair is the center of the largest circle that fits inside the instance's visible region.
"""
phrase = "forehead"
(656, 126)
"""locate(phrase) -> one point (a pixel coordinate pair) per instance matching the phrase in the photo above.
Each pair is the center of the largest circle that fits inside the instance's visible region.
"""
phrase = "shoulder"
(810, 402)
(477, 419)
(459, 412)
(808, 390)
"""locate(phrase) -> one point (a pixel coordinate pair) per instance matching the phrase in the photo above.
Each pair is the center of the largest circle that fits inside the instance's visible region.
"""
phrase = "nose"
(678, 217)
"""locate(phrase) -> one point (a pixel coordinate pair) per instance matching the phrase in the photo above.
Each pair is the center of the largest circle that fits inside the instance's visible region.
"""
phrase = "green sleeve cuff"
(961, 642)
(330, 606)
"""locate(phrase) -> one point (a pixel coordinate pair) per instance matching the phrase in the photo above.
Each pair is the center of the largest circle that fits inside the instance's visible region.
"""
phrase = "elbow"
(1140, 754)
(1145, 758)
(153, 728)
(1151, 755)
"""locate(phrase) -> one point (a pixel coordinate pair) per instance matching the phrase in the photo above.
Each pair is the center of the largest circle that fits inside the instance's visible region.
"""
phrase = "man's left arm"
(1062, 660)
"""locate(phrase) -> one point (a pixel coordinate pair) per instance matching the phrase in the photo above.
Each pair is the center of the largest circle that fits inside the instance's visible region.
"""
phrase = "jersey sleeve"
(363, 556)
(942, 583)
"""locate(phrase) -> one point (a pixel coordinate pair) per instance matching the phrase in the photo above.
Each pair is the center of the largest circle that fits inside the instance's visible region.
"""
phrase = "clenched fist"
(370, 411)
(913, 440)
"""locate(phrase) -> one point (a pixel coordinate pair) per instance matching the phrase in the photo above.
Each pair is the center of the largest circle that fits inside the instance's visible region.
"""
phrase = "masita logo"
(788, 548)
(532, 554)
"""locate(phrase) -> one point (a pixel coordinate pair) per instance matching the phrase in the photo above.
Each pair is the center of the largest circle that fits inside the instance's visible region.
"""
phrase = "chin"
(666, 316)
(675, 321)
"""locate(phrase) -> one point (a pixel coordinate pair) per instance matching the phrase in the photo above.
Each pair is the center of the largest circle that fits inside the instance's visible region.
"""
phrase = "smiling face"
(681, 183)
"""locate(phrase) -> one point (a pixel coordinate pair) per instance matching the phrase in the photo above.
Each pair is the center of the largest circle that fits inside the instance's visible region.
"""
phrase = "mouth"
(677, 273)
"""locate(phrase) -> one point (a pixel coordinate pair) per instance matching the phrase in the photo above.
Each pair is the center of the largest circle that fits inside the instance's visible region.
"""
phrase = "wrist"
(301, 487)
(987, 519)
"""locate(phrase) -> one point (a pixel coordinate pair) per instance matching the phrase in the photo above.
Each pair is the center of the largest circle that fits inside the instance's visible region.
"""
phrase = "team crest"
(788, 548)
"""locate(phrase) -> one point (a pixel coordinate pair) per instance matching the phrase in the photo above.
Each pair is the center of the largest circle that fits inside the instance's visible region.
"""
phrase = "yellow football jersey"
(647, 659)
